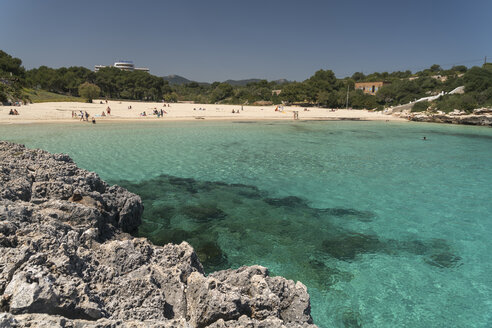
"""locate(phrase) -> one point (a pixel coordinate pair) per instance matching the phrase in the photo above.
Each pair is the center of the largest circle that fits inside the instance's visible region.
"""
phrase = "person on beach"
(11, 112)
(81, 116)
(108, 110)
(86, 116)
(93, 120)
(233, 112)
(103, 113)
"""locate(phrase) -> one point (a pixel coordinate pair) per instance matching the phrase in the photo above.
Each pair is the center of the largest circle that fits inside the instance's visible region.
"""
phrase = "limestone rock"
(66, 260)
(480, 111)
(483, 118)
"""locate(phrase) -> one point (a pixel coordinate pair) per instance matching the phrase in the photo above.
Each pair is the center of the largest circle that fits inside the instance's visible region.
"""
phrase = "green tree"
(293, 92)
(12, 77)
(321, 81)
(358, 76)
(358, 99)
(11, 66)
(171, 97)
(477, 79)
(328, 99)
(435, 68)
(221, 92)
(459, 68)
(89, 91)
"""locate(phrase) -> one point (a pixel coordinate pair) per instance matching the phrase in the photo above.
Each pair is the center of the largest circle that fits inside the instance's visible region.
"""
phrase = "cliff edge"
(67, 260)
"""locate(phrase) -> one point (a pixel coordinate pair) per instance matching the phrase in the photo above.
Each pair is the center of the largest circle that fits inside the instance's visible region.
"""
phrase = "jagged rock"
(480, 111)
(458, 118)
(8, 320)
(269, 296)
(246, 322)
(67, 261)
(457, 112)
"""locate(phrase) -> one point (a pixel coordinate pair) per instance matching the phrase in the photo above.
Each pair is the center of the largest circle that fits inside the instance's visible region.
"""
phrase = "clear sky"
(207, 40)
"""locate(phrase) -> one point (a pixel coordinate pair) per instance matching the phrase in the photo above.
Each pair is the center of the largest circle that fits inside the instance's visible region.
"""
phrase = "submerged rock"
(212, 253)
(203, 212)
(66, 259)
(351, 319)
(347, 247)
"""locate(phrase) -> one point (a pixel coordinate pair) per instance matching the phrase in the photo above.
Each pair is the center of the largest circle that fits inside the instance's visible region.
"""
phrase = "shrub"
(89, 91)
(477, 79)
(448, 103)
(421, 106)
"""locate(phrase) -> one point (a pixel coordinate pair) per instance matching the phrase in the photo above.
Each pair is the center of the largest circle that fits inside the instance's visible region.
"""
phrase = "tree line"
(323, 88)
(12, 77)
(113, 82)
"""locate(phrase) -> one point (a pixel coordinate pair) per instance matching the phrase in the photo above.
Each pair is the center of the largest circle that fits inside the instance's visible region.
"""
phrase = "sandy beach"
(120, 110)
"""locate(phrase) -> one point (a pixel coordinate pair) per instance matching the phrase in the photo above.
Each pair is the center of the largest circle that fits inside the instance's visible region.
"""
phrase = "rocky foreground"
(67, 260)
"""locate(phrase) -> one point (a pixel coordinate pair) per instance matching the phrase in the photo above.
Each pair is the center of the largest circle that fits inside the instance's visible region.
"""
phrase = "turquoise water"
(385, 229)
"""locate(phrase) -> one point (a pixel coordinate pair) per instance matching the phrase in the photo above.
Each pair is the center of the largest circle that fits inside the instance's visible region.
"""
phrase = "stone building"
(369, 87)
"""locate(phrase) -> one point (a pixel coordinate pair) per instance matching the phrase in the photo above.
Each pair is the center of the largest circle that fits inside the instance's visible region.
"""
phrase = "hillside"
(39, 96)
(176, 79)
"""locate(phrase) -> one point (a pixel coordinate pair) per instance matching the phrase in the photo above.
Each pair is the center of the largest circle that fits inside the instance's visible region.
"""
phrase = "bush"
(448, 103)
(421, 106)
(171, 97)
(477, 79)
(89, 91)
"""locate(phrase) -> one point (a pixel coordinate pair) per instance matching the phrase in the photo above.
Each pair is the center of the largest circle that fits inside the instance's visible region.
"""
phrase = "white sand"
(62, 111)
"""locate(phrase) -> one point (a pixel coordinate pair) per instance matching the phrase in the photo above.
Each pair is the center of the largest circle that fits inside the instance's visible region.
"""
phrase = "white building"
(124, 65)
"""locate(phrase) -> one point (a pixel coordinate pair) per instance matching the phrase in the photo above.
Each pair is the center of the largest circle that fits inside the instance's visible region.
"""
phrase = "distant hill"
(282, 81)
(176, 79)
(245, 82)
(237, 83)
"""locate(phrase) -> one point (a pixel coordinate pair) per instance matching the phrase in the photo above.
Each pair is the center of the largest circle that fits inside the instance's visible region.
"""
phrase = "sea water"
(384, 228)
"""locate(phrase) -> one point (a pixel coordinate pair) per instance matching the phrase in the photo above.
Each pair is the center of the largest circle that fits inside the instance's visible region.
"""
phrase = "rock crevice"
(67, 259)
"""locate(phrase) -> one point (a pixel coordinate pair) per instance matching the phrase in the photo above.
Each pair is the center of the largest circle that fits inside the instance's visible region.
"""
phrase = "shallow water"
(385, 229)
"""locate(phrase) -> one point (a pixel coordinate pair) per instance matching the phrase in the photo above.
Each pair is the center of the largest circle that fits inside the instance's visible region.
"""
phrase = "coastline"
(61, 112)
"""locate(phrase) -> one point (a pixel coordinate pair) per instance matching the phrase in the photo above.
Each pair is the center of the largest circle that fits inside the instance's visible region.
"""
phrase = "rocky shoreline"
(482, 116)
(67, 259)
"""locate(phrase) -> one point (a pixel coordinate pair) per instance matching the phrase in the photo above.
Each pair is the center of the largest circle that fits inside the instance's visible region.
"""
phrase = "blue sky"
(218, 40)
